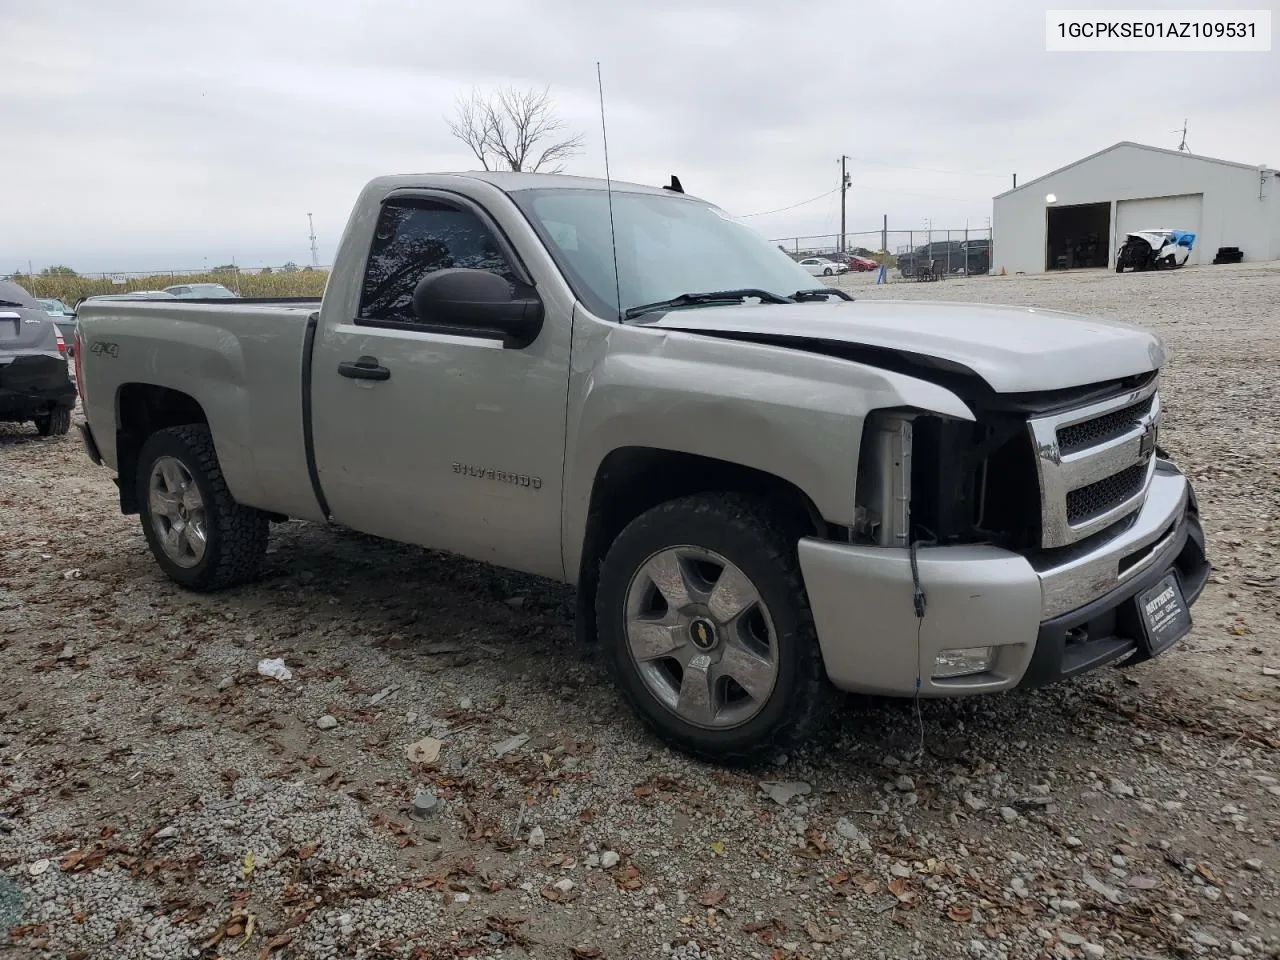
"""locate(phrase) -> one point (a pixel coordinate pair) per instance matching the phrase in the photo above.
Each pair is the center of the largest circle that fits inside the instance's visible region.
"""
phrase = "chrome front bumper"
(1048, 615)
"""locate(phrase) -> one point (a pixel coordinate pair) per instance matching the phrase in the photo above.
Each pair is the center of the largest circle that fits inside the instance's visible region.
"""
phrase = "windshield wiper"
(819, 293)
(714, 296)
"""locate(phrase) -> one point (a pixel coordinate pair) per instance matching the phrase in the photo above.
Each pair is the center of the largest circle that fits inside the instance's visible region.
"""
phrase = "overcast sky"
(149, 134)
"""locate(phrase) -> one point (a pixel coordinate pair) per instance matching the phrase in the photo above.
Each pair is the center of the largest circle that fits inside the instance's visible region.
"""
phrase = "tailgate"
(26, 330)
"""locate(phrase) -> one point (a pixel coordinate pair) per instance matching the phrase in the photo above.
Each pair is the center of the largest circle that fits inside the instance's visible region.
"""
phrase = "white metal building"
(1127, 187)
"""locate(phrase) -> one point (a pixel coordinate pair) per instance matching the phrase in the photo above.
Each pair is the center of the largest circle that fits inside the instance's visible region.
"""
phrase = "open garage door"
(1168, 213)
(1077, 236)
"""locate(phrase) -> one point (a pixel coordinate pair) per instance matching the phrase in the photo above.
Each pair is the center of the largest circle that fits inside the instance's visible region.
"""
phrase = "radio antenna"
(608, 187)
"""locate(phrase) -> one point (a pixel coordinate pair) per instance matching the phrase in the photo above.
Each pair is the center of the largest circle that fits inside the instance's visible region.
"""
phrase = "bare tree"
(514, 130)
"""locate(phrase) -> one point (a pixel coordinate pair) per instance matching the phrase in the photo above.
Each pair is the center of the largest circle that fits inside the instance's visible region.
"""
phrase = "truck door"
(442, 439)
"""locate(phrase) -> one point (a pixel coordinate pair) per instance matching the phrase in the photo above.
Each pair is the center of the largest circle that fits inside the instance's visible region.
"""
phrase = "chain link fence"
(921, 254)
(927, 253)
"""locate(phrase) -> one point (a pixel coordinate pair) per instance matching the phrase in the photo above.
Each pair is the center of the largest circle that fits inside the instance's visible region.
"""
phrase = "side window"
(417, 237)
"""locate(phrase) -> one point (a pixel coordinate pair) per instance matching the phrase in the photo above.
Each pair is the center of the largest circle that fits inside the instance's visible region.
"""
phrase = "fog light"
(962, 662)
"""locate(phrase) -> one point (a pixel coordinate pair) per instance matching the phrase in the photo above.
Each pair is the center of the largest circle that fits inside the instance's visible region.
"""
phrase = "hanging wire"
(802, 203)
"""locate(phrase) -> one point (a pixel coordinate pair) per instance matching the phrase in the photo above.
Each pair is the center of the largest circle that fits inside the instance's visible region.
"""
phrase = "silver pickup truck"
(762, 491)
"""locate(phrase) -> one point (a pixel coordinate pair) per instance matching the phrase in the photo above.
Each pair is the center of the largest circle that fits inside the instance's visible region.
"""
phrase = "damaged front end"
(929, 479)
(1011, 549)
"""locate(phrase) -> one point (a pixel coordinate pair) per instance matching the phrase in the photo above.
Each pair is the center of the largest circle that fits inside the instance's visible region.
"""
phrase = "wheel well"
(141, 410)
(632, 480)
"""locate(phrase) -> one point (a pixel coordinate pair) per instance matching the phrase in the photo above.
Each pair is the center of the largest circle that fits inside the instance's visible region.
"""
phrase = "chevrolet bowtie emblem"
(1147, 443)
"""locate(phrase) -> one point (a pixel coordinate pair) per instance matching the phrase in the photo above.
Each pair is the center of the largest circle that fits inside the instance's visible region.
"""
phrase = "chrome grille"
(1105, 495)
(1079, 436)
(1094, 463)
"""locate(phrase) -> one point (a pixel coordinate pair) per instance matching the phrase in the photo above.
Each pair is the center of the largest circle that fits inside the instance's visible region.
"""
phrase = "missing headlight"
(924, 477)
(883, 503)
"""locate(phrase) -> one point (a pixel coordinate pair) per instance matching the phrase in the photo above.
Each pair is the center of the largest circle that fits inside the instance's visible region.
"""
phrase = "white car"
(822, 267)
(200, 291)
(1155, 249)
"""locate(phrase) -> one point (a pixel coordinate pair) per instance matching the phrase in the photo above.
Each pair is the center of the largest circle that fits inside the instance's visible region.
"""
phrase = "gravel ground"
(161, 799)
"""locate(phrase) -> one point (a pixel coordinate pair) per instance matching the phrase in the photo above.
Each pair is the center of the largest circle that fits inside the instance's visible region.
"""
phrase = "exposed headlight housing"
(962, 662)
(882, 514)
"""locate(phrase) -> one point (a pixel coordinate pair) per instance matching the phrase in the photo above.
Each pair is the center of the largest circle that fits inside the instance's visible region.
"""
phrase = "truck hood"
(1013, 349)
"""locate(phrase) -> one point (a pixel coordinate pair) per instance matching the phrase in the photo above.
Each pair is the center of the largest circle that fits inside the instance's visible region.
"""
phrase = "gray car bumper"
(1046, 616)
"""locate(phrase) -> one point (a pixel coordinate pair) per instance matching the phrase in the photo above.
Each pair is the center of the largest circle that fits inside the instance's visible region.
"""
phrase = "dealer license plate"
(1164, 614)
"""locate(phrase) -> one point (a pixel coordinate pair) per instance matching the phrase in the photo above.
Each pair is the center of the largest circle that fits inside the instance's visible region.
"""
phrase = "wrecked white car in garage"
(1154, 250)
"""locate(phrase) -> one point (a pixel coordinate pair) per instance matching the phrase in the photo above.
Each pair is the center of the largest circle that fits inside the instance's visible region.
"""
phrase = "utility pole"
(315, 251)
(844, 189)
(884, 234)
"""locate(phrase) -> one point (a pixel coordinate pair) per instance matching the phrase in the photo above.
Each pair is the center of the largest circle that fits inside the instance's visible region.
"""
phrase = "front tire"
(826, 272)
(199, 535)
(706, 627)
(55, 423)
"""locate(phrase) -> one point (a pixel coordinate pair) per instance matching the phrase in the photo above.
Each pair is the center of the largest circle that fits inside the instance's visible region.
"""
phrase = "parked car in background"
(977, 256)
(822, 267)
(136, 295)
(851, 261)
(947, 257)
(34, 382)
(1156, 249)
(54, 307)
(200, 291)
(948, 254)
(63, 317)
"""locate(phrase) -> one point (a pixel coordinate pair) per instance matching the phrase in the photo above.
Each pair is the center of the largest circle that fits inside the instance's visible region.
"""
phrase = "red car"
(851, 261)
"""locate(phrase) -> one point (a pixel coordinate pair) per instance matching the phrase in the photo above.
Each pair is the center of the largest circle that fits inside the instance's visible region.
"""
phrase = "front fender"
(792, 414)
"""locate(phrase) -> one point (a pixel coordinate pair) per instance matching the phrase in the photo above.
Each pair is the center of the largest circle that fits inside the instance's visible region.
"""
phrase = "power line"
(866, 189)
(955, 173)
(927, 196)
(802, 203)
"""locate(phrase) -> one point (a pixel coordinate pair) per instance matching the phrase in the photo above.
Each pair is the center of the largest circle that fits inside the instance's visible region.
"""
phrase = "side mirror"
(477, 301)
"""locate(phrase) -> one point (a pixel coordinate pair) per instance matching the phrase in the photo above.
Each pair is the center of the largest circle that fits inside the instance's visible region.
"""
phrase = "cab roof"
(511, 182)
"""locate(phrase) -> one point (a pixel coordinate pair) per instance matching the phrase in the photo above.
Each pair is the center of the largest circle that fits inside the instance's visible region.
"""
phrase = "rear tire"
(56, 423)
(199, 535)
(758, 684)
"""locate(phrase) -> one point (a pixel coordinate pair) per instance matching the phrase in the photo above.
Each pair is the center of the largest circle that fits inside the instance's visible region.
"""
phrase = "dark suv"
(948, 256)
(34, 382)
(978, 255)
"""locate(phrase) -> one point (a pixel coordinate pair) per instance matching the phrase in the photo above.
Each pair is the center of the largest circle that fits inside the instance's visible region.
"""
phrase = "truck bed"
(242, 361)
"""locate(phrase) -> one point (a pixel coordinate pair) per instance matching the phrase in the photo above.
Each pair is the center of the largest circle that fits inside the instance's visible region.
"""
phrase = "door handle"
(366, 368)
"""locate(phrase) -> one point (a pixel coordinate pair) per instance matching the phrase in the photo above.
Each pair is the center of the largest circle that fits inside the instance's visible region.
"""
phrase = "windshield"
(667, 246)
